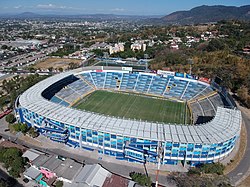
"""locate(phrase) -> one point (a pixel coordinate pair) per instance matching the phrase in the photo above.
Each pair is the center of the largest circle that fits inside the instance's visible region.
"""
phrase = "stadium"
(162, 117)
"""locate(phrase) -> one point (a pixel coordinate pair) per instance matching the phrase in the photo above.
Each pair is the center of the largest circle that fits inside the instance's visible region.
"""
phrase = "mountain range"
(206, 14)
(201, 14)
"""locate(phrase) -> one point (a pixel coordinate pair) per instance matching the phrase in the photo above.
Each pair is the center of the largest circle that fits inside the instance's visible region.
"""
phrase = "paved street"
(243, 168)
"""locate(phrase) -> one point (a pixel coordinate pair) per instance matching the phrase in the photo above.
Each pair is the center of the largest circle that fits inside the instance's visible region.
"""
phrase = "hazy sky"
(132, 7)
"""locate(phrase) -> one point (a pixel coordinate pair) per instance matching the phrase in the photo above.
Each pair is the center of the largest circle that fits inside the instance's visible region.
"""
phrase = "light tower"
(159, 158)
(190, 62)
(105, 56)
(146, 59)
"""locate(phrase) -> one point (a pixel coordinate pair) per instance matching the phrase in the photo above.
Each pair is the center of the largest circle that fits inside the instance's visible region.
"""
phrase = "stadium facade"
(47, 107)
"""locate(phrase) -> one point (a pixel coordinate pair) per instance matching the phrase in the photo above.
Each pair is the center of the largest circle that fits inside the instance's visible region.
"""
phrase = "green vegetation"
(99, 52)
(214, 168)
(15, 86)
(24, 128)
(217, 168)
(59, 183)
(20, 127)
(10, 118)
(220, 57)
(202, 175)
(141, 179)
(66, 50)
(13, 161)
(135, 107)
(32, 132)
(194, 180)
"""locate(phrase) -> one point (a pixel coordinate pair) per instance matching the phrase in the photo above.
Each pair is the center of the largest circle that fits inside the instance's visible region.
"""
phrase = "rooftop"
(92, 175)
(31, 154)
(66, 169)
(32, 172)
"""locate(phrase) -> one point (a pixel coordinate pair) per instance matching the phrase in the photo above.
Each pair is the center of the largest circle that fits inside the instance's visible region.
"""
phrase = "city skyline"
(121, 7)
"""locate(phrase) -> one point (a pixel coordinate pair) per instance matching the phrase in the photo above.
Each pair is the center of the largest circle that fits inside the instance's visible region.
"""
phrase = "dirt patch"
(10, 144)
(56, 63)
(245, 183)
(30, 140)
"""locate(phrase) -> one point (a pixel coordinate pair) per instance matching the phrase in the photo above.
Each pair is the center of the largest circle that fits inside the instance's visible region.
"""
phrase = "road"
(242, 169)
(8, 179)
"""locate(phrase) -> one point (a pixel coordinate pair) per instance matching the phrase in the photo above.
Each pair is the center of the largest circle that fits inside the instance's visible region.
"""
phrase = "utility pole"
(190, 62)
(159, 158)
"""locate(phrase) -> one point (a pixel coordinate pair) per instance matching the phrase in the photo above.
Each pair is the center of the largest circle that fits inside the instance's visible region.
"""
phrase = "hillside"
(206, 14)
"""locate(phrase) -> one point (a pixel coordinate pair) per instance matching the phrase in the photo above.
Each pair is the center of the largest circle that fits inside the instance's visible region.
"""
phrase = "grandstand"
(216, 123)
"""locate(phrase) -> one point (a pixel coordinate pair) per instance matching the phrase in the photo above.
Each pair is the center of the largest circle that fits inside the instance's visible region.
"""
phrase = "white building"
(117, 48)
(138, 46)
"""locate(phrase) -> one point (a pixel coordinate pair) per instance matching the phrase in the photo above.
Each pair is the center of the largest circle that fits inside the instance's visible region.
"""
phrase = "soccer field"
(135, 107)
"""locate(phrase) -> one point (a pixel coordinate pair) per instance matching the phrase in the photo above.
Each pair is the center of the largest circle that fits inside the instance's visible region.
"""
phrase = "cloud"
(17, 7)
(50, 6)
(118, 10)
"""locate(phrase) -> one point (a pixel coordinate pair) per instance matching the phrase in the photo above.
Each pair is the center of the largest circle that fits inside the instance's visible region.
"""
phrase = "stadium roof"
(225, 125)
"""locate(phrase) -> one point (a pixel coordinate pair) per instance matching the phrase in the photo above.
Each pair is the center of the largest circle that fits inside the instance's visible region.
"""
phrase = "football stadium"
(161, 117)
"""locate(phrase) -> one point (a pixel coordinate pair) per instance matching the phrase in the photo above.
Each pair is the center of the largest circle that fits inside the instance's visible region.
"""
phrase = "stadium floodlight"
(190, 62)
(106, 56)
(146, 59)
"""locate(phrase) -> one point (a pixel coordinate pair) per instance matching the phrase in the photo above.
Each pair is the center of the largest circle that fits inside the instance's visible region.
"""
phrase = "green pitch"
(135, 107)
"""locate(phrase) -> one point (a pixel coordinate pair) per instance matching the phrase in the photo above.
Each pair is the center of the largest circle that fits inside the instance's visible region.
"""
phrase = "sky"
(121, 7)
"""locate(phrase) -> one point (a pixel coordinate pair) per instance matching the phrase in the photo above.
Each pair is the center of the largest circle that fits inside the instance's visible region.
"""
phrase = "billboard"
(127, 68)
(161, 72)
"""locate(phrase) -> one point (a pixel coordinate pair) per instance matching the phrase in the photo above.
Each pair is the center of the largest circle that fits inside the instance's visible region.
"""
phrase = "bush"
(194, 171)
(20, 127)
(33, 133)
(59, 183)
(217, 168)
(10, 118)
(140, 178)
(13, 161)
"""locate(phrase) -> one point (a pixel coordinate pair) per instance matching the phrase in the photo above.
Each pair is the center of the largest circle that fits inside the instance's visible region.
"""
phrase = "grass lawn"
(135, 107)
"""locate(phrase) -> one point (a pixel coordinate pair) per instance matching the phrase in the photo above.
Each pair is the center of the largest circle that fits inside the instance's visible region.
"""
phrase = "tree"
(98, 52)
(59, 183)
(10, 118)
(243, 95)
(33, 133)
(60, 69)
(214, 168)
(24, 128)
(72, 65)
(140, 178)
(215, 45)
(50, 69)
(14, 69)
(13, 161)
(4, 47)
(20, 127)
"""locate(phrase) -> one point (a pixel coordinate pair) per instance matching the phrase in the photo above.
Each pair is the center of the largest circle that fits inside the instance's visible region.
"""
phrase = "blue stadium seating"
(112, 80)
(143, 83)
(98, 78)
(128, 81)
(158, 85)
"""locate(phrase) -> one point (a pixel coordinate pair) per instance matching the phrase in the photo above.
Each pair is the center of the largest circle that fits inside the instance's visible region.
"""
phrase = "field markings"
(133, 107)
